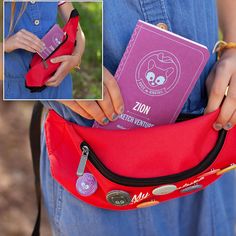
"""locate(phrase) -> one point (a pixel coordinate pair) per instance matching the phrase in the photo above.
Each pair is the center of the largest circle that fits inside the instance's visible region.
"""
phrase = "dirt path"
(17, 197)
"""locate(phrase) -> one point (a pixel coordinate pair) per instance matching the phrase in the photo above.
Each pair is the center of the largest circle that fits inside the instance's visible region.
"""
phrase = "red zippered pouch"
(128, 169)
(42, 70)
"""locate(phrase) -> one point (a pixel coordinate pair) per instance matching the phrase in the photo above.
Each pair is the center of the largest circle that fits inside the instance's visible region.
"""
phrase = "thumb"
(59, 59)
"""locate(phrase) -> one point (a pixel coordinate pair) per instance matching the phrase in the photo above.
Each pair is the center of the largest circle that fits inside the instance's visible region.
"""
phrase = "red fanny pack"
(128, 169)
(41, 70)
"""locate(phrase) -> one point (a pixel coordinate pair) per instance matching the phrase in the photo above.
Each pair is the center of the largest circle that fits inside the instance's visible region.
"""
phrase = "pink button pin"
(86, 184)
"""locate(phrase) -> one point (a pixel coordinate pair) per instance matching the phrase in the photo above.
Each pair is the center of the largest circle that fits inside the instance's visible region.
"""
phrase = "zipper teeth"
(144, 182)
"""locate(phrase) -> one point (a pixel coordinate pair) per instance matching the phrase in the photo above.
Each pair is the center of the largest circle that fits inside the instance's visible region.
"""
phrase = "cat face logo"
(84, 185)
(157, 76)
(158, 73)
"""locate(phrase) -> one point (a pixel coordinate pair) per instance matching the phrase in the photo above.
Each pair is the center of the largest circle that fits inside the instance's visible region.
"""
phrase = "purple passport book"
(156, 75)
(52, 40)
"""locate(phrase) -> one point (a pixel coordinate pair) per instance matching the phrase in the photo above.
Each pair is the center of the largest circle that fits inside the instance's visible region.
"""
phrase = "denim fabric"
(17, 62)
(211, 212)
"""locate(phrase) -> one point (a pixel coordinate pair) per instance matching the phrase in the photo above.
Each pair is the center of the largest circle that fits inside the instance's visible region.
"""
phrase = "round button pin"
(191, 188)
(227, 169)
(118, 198)
(86, 184)
(163, 190)
(211, 172)
(147, 204)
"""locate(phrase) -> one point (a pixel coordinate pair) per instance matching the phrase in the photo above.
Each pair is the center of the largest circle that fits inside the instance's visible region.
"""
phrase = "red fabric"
(38, 75)
(137, 153)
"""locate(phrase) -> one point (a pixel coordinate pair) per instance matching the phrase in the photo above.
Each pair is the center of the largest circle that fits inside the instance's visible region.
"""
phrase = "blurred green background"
(88, 82)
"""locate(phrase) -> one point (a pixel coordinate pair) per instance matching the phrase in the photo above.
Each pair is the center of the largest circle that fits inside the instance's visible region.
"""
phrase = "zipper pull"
(83, 160)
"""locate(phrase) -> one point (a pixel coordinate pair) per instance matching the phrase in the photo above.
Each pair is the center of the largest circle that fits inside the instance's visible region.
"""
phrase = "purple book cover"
(52, 40)
(156, 75)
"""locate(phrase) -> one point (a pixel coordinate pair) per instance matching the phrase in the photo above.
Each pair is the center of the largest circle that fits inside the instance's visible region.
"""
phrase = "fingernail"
(217, 126)
(114, 116)
(121, 110)
(228, 126)
(52, 60)
(105, 121)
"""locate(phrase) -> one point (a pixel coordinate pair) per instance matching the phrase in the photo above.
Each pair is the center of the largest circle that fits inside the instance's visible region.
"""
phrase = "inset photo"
(52, 50)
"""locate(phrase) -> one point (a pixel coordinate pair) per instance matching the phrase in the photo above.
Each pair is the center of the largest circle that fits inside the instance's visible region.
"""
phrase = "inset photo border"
(53, 50)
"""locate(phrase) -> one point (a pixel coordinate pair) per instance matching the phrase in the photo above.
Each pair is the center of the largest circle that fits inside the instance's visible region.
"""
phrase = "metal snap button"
(227, 169)
(32, 2)
(163, 190)
(86, 184)
(191, 188)
(118, 198)
(36, 22)
(162, 26)
(147, 204)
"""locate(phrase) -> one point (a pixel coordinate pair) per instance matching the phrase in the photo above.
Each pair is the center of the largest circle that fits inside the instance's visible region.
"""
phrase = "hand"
(67, 63)
(223, 76)
(102, 111)
(23, 39)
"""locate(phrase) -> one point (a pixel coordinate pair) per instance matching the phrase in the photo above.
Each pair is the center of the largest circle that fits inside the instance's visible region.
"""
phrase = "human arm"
(68, 61)
(223, 75)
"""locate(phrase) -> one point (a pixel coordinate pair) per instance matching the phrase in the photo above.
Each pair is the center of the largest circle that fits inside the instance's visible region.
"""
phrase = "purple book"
(52, 40)
(156, 75)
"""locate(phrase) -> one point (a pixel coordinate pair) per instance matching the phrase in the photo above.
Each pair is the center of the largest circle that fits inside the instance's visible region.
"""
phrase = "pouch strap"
(34, 134)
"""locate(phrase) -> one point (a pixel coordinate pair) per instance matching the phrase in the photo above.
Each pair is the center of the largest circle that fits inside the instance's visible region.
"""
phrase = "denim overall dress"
(38, 18)
(211, 212)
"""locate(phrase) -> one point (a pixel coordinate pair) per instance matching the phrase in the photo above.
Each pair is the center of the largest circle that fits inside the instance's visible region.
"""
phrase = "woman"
(25, 24)
(211, 212)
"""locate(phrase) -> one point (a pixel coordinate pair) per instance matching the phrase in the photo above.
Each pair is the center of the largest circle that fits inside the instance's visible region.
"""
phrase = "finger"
(232, 122)
(106, 105)
(94, 110)
(21, 40)
(210, 80)
(56, 79)
(217, 93)
(25, 47)
(34, 37)
(114, 92)
(60, 59)
(32, 40)
(53, 79)
(26, 41)
(74, 106)
(228, 108)
(54, 82)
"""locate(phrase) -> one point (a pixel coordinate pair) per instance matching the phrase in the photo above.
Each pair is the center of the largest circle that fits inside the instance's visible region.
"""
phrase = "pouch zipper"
(144, 182)
(83, 160)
